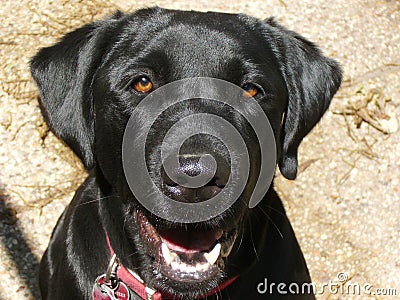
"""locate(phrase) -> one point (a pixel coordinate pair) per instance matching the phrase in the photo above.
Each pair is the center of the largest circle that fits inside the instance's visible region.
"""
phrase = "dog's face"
(184, 255)
(95, 77)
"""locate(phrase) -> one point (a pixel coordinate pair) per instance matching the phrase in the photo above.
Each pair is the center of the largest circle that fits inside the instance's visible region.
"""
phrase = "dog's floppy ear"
(63, 74)
(311, 79)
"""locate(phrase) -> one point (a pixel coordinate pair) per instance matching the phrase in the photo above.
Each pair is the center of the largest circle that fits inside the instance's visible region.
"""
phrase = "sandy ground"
(344, 205)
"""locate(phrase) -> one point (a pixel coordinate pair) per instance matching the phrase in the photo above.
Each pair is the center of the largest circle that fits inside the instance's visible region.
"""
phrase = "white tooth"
(191, 269)
(199, 267)
(213, 255)
(167, 254)
(206, 266)
(182, 267)
(202, 267)
(175, 265)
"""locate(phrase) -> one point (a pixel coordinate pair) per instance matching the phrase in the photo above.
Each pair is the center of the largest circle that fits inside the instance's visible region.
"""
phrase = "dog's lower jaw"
(191, 273)
(185, 263)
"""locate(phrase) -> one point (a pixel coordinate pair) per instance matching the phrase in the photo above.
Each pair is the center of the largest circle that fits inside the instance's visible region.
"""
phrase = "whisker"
(252, 240)
(277, 211)
(229, 297)
(273, 223)
(132, 254)
(124, 223)
(241, 236)
(97, 200)
(219, 294)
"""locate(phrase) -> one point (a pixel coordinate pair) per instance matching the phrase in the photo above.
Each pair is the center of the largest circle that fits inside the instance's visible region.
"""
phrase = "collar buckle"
(112, 267)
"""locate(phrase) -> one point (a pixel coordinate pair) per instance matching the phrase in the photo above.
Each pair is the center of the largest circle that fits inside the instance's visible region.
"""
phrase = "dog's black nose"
(193, 169)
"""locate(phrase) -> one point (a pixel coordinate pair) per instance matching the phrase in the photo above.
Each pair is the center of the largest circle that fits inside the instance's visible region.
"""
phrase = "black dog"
(89, 84)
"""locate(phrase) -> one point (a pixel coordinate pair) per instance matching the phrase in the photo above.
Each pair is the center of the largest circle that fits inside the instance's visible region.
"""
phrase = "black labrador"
(106, 245)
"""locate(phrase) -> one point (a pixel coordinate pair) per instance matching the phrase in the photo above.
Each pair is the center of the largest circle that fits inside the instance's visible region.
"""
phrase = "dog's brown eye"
(250, 90)
(143, 84)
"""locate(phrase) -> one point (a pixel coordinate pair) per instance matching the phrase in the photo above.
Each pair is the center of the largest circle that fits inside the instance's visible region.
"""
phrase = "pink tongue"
(190, 241)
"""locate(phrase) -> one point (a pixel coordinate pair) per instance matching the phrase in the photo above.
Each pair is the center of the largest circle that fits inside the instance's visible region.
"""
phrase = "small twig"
(349, 130)
(51, 19)
(7, 123)
(388, 67)
(27, 203)
(17, 81)
(40, 187)
(305, 165)
(367, 118)
(19, 129)
(6, 43)
(283, 3)
(347, 174)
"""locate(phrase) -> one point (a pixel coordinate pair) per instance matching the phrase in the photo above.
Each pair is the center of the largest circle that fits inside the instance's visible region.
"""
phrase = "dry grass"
(367, 106)
(16, 82)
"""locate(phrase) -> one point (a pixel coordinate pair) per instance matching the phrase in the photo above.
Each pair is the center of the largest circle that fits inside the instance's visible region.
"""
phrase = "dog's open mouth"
(186, 253)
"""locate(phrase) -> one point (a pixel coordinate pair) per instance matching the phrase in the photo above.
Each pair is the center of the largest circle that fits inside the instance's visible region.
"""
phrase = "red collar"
(137, 285)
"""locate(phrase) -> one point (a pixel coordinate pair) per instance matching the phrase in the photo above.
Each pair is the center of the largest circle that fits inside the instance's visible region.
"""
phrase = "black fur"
(86, 98)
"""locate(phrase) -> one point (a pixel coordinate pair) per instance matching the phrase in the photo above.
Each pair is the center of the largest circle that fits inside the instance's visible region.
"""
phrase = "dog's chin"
(186, 259)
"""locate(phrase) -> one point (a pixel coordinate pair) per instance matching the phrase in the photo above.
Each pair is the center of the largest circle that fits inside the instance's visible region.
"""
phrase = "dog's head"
(92, 80)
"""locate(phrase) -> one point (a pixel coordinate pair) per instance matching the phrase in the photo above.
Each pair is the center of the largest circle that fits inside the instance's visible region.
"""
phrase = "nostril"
(170, 183)
(218, 182)
(176, 183)
(166, 180)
